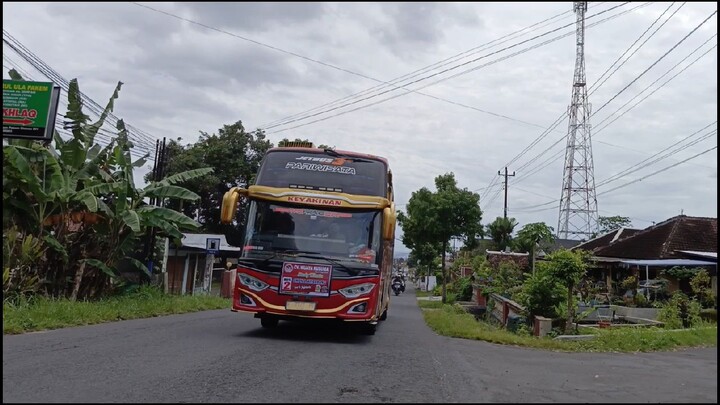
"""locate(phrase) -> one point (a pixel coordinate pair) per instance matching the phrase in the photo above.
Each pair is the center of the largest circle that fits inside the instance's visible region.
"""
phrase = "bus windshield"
(318, 170)
(347, 235)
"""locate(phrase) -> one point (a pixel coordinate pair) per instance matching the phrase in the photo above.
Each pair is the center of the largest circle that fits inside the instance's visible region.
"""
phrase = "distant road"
(220, 356)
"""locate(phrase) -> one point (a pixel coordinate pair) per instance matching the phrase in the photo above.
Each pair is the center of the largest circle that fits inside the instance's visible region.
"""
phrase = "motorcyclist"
(399, 279)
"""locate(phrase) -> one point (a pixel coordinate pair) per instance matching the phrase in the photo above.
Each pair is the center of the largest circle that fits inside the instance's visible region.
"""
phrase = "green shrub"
(680, 312)
(542, 294)
(701, 287)
(463, 288)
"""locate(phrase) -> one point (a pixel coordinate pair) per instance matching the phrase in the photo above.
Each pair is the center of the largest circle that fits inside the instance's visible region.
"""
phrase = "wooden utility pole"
(207, 277)
(506, 188)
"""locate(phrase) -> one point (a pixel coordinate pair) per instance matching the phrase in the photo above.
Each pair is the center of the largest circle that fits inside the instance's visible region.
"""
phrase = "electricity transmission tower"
(578, 202)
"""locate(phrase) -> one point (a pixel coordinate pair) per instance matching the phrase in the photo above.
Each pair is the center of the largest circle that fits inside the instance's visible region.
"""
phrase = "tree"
(80, 201)
(542, 293)
(501, 231)
(425, 255)
(235, 156)
(535, 235)
(436, 218)
(607, 224)
(568, 267)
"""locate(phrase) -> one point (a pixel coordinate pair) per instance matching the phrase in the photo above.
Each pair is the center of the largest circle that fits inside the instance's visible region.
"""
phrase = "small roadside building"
(185, 264)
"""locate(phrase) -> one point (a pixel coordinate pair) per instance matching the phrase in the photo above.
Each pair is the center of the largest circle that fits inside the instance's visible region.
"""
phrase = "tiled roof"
(661, 241)
(606, 239)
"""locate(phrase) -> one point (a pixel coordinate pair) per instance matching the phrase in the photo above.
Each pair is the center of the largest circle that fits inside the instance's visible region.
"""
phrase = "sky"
(436, 88)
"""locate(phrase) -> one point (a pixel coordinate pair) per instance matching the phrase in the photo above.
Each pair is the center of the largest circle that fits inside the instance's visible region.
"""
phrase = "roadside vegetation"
(83, 244)
(558, 289)
(42, 313)
(454, 321)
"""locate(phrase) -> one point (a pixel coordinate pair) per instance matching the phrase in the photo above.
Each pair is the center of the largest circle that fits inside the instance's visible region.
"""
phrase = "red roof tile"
(662, 240)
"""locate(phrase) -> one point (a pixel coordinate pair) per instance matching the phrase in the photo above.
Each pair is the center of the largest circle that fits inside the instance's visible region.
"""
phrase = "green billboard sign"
(29, 109)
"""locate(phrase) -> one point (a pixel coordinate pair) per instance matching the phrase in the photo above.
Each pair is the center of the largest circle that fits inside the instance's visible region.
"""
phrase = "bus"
(319, 237)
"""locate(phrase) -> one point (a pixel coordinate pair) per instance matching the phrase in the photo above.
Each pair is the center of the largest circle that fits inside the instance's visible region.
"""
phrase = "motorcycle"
(397, 287)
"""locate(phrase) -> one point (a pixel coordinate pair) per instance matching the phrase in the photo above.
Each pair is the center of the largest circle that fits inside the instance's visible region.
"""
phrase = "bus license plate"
(300, 305)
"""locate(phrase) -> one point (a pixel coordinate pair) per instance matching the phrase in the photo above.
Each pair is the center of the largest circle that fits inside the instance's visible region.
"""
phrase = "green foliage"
(680, 272)
(501, 231)
(463, 287)
(629, 283)
(446, 321)
(79, 200)
(542, 293)
(607, 224)
(533, 236)
(234, 156)
(700, 284)
(22, 258)
(568, 267)
(507, 280)
(680, 312)
(434, 218)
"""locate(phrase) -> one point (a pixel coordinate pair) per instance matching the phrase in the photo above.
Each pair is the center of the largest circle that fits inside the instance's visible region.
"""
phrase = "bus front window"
(346, 235)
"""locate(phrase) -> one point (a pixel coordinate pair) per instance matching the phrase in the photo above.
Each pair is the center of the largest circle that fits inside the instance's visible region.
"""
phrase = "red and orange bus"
(319, 237)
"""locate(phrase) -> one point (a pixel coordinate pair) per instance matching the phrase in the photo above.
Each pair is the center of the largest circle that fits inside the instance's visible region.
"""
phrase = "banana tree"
(47, 189)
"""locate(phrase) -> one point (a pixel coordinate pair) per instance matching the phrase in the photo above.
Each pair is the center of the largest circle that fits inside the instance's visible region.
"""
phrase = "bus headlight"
(251, 282)
(357, 290)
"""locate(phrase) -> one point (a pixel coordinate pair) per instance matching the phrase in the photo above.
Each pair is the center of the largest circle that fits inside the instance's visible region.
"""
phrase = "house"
(679, 241)
(185, 264)
(495, 257)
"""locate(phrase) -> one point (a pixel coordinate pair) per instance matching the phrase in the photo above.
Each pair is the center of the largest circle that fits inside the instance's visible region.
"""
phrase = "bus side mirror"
(229, 204)
(389, 222)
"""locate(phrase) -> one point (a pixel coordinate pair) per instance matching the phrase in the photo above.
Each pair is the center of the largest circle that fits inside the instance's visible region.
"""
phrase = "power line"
(42, 67)
(598, 84)
(647, 162)
(559, 120)
(441, 72)
(559, 152)
(657, 172)
(655, 63)
(416, 73)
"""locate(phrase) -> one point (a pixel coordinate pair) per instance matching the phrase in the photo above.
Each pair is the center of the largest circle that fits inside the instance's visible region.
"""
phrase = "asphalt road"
(220, 356)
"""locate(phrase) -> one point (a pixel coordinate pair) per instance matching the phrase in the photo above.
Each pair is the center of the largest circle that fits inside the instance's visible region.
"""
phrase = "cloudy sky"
(467, 88)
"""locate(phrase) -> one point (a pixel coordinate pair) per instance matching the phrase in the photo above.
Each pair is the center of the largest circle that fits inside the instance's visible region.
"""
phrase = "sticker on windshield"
(315, 167)
(306, 279)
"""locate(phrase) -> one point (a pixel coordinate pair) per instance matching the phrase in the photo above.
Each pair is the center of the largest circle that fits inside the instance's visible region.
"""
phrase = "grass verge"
(448, 320)
(43, 313)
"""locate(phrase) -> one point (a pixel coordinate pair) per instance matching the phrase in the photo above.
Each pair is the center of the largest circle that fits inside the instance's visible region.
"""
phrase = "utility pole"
(158, 174)
(506, 181)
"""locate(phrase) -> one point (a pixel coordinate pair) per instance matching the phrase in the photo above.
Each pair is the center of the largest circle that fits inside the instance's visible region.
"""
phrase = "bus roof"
(317, 150)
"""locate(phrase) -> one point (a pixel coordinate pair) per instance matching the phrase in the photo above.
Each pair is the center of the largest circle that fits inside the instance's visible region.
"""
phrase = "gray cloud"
(254, 16)
(181, 78)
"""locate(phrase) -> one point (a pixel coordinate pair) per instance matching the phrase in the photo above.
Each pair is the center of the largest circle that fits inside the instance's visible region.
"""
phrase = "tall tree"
(533, 236)
(501, 231)
(436, 218)
(80, 200)
(607, 224)
(235, 156)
